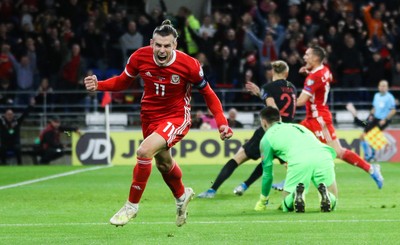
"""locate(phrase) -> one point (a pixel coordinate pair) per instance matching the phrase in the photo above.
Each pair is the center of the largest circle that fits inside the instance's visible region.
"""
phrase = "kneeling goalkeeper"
(308, 160)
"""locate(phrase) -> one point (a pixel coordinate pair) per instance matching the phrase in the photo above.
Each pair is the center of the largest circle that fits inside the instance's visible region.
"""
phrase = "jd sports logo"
(92, 148)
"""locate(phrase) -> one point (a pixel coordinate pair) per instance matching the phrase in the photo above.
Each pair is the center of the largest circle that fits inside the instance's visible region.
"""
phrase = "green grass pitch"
(75, 209)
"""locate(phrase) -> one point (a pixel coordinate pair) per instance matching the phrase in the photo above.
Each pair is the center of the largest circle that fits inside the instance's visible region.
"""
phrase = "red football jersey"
(317, 85)
(167, 89)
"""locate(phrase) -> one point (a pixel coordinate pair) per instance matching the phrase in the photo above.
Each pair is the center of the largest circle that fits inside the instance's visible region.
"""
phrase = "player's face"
(9, 115)
(162, 48)
(383, 87)
(310, 59)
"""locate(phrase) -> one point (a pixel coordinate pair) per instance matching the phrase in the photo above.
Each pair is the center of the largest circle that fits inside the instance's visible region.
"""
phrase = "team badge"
(310, 82)
(175, 79)
(201, 74)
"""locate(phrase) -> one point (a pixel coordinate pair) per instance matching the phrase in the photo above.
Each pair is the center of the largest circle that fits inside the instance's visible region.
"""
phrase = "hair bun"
(166, 22)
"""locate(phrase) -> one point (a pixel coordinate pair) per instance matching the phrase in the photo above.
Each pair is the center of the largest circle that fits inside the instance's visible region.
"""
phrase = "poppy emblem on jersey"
(310, 82)
(175, 79)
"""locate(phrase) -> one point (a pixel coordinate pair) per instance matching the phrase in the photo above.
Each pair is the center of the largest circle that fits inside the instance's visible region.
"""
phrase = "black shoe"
(299, 204)
(325, 200)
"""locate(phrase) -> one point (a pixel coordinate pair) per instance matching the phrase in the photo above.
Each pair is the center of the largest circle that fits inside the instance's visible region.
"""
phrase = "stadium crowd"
(52, 45)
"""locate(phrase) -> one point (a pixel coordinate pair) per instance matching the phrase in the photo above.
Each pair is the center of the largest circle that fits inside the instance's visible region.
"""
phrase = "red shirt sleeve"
(116, 83)
(131, 68)
(311, 84)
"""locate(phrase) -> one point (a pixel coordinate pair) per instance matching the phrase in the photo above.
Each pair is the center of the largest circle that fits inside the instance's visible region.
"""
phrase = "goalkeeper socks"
(333, 200)
(354, 159)
(287, 203)
(141, 174)
(226, 171)
(174, 180)
(257, 172)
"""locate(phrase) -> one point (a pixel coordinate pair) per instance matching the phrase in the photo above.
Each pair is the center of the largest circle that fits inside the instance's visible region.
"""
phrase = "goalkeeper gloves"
(261, 205)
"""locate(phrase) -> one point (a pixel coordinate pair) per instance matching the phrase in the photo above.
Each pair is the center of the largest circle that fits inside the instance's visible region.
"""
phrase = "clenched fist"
(91, 83)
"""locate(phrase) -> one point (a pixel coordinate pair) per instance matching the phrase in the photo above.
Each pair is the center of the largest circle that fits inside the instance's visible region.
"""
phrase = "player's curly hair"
(166, 29)
(279, 66)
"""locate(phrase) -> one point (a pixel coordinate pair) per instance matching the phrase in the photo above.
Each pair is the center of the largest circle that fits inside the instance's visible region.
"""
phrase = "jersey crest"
(175, 79)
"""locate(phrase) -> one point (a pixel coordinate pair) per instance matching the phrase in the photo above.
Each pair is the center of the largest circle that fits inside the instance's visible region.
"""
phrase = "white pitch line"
(28, 182)
(208, 222)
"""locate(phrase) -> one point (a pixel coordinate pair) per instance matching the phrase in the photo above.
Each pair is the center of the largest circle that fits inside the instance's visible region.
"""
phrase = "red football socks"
(174, 180)
(141, 174)
(354, 159)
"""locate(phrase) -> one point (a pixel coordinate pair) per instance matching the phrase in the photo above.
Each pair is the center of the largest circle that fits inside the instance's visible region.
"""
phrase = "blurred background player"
(168, 77)
(51, 147)
(308, 160)
(318, 116)
(10, 136)
(280, 94)
(381, 114)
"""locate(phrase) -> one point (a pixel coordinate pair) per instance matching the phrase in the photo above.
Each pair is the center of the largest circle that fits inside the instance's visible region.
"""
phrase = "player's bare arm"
(271, 102)
(253, 88)
(303, 70)
(302, 99)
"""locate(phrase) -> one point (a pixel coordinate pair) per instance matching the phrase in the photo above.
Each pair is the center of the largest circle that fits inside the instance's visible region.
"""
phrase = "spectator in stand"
(6, 65)
(309, 29)
(51, 147)
(295, 63)
(225, 66)
(92, 43)
(350, 60)
(115, 28)
(10, 127)
(276, 30)
(374, 24)
(130, 41)
(6, 94)
(45, 95)
(189, 21)
(197, 120)
(25, 69)
(55, 56)
(267, 50)
(145, 26)
(232, 122)
(207, 27)
(72, 71)
(375, 70)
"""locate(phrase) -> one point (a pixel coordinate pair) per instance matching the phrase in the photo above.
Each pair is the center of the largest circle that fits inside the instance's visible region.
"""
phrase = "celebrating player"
(308, 160)
(280, 94)
(318, 117)
(168, 77)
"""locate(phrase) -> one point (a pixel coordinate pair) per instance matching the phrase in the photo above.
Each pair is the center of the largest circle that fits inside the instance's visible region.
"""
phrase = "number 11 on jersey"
(160, 87)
